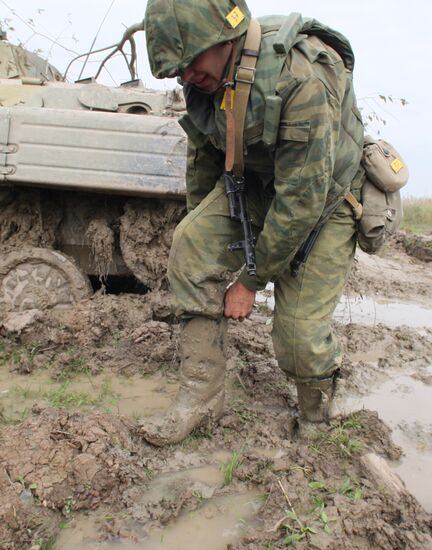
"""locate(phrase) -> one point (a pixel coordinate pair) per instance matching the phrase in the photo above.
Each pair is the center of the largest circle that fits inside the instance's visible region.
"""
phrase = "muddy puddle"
(215, 525)
(370, 311)
(220, 520)
(132, 397)
(404, 403)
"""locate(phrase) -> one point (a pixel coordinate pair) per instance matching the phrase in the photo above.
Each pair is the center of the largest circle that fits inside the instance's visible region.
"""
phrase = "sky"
(391, 40)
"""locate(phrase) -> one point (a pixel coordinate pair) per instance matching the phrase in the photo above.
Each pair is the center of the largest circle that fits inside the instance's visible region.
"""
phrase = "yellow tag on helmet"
(235, 17)
(397, 165)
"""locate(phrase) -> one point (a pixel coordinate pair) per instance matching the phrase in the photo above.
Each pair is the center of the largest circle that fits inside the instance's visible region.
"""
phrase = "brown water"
(370, 311)
(215, 524)
(132, 397)
(405, 404)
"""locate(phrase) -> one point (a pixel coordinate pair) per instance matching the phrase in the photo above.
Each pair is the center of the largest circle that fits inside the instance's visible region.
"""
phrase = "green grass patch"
(417, 215)
(230, 467)
(296, 530)
(70, 363)
(65, 398)
(13, 357)
(351, 488)
(340, 439)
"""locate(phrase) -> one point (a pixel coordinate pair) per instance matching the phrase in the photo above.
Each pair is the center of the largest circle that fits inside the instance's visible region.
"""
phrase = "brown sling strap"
(357, 207)
(236, 114)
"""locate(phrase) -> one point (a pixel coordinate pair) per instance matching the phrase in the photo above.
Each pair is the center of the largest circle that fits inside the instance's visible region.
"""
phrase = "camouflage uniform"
(299, 165)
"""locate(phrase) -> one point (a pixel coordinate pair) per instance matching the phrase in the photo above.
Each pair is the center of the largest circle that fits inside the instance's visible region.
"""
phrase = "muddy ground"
(74, 386)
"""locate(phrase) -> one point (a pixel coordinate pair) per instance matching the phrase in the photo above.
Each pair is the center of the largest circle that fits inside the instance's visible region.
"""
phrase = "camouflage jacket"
(318, 137)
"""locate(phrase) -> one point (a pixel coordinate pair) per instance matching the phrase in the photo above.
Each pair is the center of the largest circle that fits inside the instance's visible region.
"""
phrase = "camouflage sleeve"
(205, 166)
(304, 161)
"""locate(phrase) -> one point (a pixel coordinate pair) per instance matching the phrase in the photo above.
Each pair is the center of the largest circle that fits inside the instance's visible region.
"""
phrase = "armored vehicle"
(91, 184)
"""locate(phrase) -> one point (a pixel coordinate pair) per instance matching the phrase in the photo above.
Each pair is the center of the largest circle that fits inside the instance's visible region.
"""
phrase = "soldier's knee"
(304, 348)
(183, 245)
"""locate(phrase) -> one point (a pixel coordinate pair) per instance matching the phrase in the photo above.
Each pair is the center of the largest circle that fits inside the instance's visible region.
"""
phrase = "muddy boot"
(315, 400)
(202, 383)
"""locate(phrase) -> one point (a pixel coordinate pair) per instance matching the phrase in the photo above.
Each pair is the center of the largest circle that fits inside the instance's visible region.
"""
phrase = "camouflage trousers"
(200, 267)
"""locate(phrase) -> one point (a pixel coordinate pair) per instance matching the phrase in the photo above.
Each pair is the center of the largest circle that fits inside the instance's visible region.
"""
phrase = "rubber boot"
(315, 400)
(201, 394)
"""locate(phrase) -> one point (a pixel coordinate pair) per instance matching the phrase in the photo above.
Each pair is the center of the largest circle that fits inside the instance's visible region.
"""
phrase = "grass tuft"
(231, 466)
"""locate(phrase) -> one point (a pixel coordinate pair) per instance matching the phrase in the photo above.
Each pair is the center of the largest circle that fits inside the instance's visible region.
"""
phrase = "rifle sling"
(236, 114)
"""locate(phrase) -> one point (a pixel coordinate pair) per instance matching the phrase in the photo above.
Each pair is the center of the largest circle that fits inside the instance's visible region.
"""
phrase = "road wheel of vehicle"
(39, 278)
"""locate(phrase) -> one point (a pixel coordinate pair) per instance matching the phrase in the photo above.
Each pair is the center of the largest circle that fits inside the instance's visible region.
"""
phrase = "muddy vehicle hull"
(93, 151)
(100, 182)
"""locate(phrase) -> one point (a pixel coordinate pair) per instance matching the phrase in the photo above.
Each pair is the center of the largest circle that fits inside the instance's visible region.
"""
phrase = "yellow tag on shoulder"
(235, 17)
(223, 102)
(397, 165)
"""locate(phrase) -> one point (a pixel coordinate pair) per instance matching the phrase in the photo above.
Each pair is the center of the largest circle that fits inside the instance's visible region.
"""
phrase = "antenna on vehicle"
(95, 38)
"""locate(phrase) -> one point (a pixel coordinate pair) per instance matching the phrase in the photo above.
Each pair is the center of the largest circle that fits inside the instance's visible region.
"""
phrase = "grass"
(417, 215)
(351, 489)
(240, 408)
(15, 356)
(197, 435)
(64, 398)
(340, 438)
(26, 392)
(297, 532)
(72, 364)
(231, 466)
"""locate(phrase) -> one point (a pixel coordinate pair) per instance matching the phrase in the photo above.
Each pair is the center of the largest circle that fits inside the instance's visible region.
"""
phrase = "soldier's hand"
(239, 301)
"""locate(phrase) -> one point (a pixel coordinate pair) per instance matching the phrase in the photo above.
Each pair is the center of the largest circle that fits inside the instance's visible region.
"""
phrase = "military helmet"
(178, 31)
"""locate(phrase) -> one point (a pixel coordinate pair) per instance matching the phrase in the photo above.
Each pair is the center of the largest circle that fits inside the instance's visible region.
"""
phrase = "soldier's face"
(206, 72)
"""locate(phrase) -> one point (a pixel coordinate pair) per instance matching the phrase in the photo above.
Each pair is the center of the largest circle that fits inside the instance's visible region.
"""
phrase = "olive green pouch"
(386, 173)
(383, 165)
(382, 216)
(272, 116)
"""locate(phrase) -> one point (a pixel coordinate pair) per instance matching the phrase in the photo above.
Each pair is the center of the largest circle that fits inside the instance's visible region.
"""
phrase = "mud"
(393, 274)
(144, 246)
(101, 237)
(74, 472)
(418, 246)
(28, 219)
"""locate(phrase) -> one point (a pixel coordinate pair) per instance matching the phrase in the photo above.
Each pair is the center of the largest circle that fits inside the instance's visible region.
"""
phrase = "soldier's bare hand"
(239, 302)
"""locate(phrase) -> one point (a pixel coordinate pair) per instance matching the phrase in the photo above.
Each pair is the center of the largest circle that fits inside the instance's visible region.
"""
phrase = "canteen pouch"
(383, 165)
(386, 173)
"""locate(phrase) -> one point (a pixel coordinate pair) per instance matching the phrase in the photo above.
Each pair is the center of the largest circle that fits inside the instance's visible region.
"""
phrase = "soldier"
(303, 140)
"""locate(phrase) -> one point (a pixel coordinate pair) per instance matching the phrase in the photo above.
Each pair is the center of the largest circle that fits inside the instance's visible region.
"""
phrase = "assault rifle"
(235, 189)
(304, 251)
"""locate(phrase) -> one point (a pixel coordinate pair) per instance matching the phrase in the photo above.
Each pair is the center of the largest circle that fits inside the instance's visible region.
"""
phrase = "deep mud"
(74, 472)
(392, 274)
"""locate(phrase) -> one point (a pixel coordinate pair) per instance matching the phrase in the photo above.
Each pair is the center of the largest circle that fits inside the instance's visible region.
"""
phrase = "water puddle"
(219, 523)
(216, 524)
(133, 397)
(368, 311)
(404, 404)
